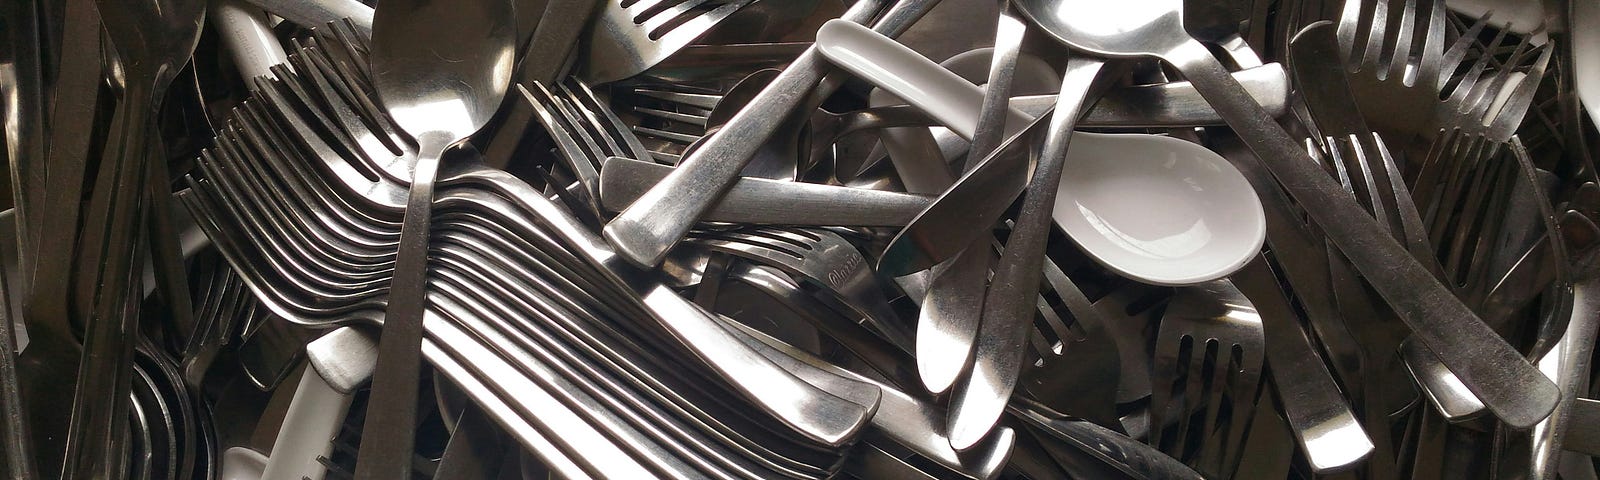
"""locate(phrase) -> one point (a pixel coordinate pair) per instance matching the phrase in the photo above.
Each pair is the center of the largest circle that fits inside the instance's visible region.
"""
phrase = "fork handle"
(1512, 388)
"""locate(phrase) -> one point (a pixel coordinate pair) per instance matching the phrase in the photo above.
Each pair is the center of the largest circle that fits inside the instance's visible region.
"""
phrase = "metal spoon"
(1507, 383)
(440, 103)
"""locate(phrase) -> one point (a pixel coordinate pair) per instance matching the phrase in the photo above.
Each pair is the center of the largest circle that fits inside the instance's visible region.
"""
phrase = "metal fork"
(1079, 366)
(1394, 52)
(630, 36)
(1208, 359)
(822, 258)
(586, 132)
(1472, 100)
(684, 117)
(1456, 168)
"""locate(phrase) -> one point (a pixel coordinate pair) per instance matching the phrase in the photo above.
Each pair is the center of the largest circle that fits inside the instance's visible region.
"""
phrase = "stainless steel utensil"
(1330, 436)
(761, 201)
(953, 306)
(438, 107)
(1209, 352)
(1009, 302)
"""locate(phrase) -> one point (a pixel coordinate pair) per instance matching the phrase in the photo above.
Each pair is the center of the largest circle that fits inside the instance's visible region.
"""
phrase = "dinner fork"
(1079, 359)
(586, 132)
(1394, 52)
(822, 258)
(1209, 354)
(1478, 125)
(630, 36)
(1473, 101)
(678, 117)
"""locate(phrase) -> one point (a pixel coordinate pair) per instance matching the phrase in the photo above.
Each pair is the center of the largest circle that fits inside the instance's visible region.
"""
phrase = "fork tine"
(579, 129)
(1398, 43)
(1463, 193)
(1510, 115)
(1377, 29)
(1465, 89)
(581, 114)
(1246, 385)
(1413, 234)
(1452, 58)
(1357, 156)
(1335, 158)
(678, 9)
(644, 8)
(696, 120)
(578, 160)
(1426, 179)
(1052, 329)
(794, 240)
(1218, 380)
(668, 135)
(1491, 225)
(1164, 384)
(1400, 52)
(1452, 170)
(662, 21)
(605, 119)
(1432, 54)
(1485, 94)
(1369, 153)
(1350, 22)
(1194, 394)
(700, 100)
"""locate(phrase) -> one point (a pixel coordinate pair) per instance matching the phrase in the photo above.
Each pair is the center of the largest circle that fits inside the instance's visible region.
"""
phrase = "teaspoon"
(441, 68)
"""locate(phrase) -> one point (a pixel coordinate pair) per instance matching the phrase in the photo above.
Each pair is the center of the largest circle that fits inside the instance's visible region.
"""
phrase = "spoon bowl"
(1125, 28)
(1159, 209)
(442, 91)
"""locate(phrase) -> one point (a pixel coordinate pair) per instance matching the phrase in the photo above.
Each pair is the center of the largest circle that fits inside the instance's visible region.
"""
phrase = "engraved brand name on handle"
(837, 276)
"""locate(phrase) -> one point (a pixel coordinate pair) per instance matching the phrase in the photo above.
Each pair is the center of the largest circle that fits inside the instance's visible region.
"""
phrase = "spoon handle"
(947, 328)
(659, 219)
(1512, 388)
(389, 434)
(765, 201)
(1008, 307)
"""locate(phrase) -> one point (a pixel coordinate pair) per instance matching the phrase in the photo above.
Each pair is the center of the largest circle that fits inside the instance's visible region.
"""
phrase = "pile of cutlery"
(519, 239)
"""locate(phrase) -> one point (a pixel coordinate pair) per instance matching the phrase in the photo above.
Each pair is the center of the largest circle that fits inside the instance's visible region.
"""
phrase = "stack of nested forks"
(597, 373)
